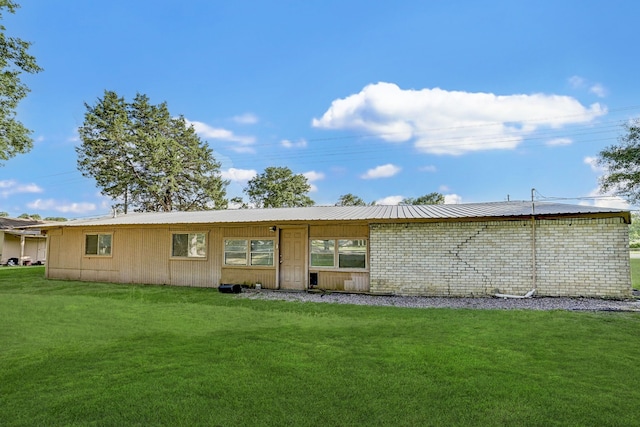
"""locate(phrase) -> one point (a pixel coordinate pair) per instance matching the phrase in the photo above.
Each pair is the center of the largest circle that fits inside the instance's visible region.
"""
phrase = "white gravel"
(488, 303)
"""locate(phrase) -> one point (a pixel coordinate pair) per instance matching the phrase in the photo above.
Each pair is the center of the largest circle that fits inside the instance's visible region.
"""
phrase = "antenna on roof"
(533, 205)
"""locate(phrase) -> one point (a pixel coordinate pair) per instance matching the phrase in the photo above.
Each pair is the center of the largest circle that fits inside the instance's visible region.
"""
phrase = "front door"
(292, 258)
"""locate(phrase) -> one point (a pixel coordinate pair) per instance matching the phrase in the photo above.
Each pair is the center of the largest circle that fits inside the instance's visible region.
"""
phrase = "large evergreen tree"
(278, 187)
(15, 138)
(145, 159)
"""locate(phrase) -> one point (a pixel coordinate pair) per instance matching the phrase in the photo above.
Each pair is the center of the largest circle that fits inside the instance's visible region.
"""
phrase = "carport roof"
(396, 213)
(14, 223)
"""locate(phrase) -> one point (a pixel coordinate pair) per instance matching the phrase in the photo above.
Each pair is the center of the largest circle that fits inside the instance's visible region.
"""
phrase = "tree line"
(149, 161)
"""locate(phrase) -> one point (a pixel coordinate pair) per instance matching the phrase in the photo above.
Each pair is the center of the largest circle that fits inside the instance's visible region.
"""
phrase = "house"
(19, 246)
(437, 250)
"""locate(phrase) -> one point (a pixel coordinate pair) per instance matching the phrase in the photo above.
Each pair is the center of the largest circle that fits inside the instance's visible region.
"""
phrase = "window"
(189, 245)
(323, 253)
(339, 253)
(352, 253)
(248, 252)
(262, 252)
(97, 244)
(235, 252)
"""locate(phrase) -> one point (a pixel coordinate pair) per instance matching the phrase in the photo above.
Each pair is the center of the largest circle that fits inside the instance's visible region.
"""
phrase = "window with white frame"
(98, 244)
(189, 245)
(243, 252)
(339, 253)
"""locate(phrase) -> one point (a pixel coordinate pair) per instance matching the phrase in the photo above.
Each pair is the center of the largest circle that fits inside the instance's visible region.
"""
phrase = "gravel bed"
(488, 303)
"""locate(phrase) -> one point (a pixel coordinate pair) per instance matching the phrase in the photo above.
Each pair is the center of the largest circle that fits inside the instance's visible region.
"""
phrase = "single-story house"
(20, 246)
(438, 250)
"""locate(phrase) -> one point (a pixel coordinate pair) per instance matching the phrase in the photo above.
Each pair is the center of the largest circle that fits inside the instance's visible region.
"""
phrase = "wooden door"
(292, 258)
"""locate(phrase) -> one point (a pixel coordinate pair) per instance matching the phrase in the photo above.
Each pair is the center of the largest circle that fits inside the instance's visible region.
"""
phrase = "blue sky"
(481, 101)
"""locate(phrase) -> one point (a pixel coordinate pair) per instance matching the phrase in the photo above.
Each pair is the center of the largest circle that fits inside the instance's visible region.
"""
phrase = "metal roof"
(349, 213)
(11, 223)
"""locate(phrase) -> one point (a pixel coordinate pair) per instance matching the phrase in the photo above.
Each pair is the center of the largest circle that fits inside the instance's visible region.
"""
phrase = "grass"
(78, 354)
(635, 273)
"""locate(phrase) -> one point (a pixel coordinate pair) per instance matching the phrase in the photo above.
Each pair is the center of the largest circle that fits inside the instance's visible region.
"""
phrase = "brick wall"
(573, 257)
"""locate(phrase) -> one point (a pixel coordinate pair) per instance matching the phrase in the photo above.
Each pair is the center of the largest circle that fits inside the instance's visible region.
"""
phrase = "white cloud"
(560, 141)
(597, 89)
(605, 201)
(577, 82)
(313, 176)
(289, 144)
(390, 200)
(11, 186)
(452, 199)
(429, 168)
(50, 204)
(453, 122)
(384, 171)
(246, 119)
(238, 175)
(209, 132)
(593, 163)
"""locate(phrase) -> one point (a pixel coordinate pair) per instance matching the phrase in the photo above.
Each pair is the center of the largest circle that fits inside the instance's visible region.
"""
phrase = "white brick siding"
(574, 257)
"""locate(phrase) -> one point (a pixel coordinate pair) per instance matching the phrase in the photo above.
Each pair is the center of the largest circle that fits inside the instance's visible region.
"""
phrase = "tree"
(622, 164)
(278, 187)
(142, 157)
(56, 218)
(350, 200)
(239, 203)
(634, 229)
(14, 60)
(30, 216)
(427, 199)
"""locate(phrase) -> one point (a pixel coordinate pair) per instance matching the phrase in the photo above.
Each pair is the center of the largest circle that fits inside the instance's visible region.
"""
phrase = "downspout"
(533, 253)
(533, 241)
(533, 257)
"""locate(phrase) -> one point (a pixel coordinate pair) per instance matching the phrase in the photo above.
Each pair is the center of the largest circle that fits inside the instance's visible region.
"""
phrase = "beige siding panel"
(70, 246)
(250, 276)
(192, 273)
(53, 252)
(62, 273)
(339, 231)
(343, 281)
(142, 256)
(110, 276)
(359, 283)
(11, 247)
(260, 232)
(138, 256)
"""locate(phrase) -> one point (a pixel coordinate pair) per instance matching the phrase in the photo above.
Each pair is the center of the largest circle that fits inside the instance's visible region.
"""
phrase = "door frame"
(305, 258)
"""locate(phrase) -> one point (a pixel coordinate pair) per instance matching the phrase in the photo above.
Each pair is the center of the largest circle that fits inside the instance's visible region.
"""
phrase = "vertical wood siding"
(343, 281)
(250, 276)
(339, 231)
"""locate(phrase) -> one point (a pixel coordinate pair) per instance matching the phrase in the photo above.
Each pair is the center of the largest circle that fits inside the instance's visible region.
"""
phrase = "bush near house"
(77, 353)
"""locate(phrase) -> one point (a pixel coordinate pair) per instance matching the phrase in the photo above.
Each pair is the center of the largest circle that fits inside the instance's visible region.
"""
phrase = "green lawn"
(78, 354)
(635, 272)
